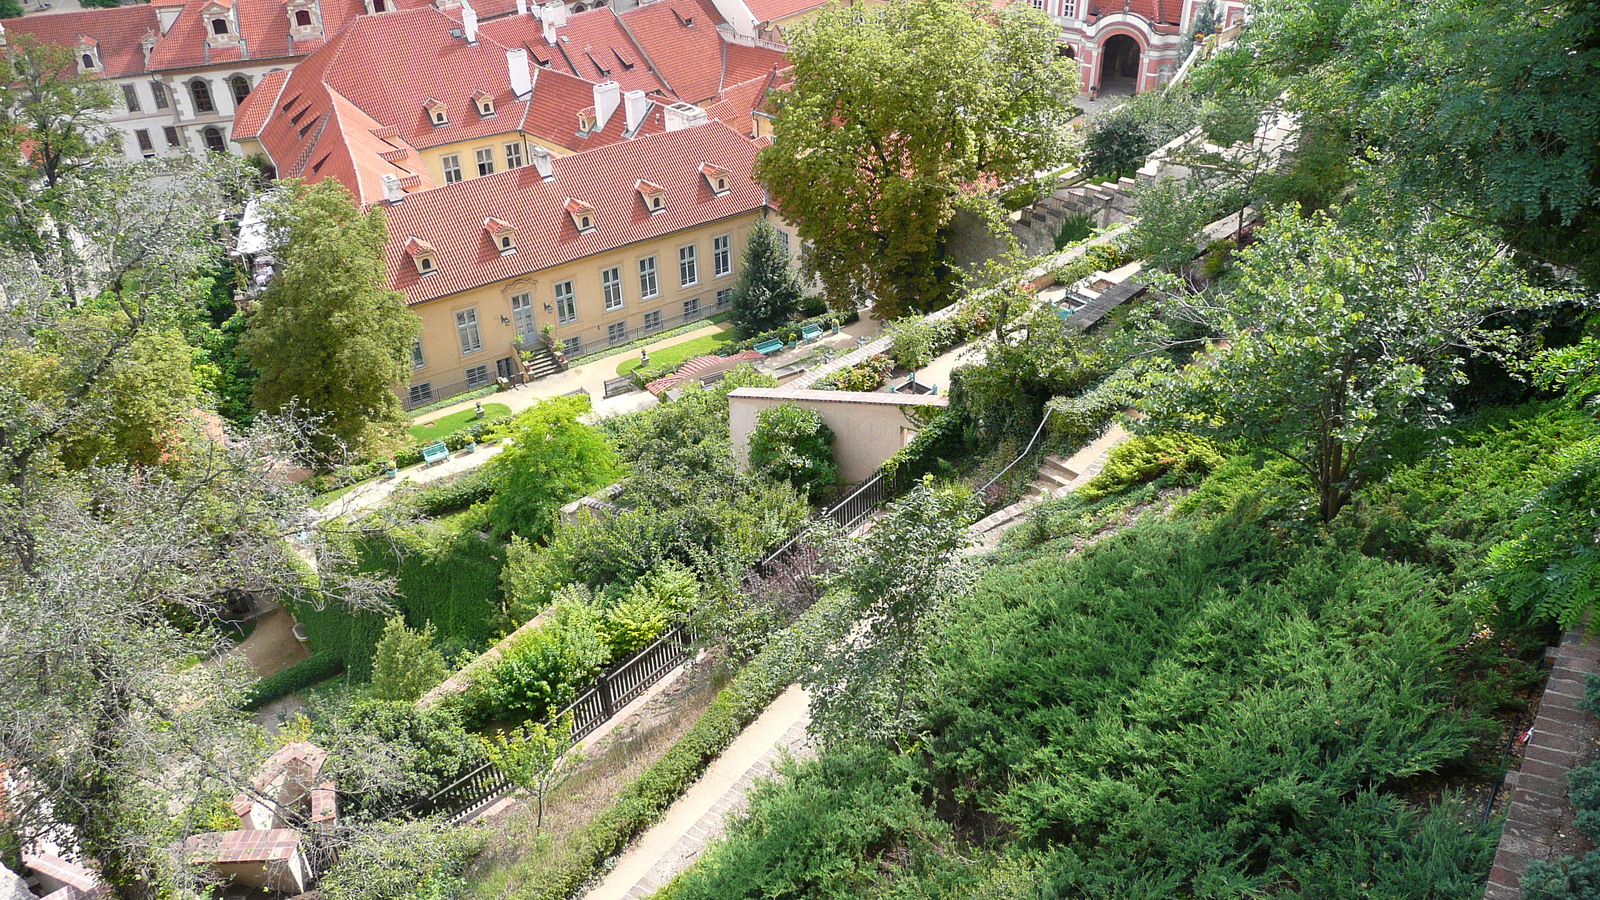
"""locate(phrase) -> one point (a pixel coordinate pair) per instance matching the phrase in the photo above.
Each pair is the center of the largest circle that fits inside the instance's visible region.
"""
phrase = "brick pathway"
(1539, 820)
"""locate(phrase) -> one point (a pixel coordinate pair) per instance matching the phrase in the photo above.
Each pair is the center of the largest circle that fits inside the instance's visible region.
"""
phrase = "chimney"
(541, 161)
(607, 97)
(684, 115)
(522, 7)
(637, 105)
(166, 16)
(555, 13)
(521, 75)
(3, 41)
(391, 188)
(469, 22)
(549, 32)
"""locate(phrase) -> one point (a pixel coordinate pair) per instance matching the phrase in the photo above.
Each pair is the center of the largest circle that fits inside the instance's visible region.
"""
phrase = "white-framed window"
(617, 332)
(1069, 9)
(688, 266)
(652, 320)
(452, 168)
(421, 393)
(566, 303)
(130, 97)
(485, 161)
(513, 156)
(724, 298)
(467, 331)
(722, 255)
(611, 286)
(783, 238)
(418, 361)
(522, 315)
(571, 347)
(691, 309)
(478, 376)
(648, 287)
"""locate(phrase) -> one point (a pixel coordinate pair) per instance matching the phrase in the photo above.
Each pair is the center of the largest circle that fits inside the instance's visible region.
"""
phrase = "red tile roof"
(739, 103)
(592, 45)
(242, 846)
(263, 27)
(251, 116)
(451, 218)
(117, 31)
(741, 63)
(1164, 16)
(772, 10)
(681, 43)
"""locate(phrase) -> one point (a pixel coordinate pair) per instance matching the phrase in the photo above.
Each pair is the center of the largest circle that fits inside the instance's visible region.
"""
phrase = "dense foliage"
(768, 293)
(1572, 878)
(1117, 142)
(793, 445)
(552, 458)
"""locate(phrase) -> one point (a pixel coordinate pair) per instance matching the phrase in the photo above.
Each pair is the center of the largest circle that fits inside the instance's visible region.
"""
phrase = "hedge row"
(315, 670)
(450, 495)
(641, 804)
(825, 321)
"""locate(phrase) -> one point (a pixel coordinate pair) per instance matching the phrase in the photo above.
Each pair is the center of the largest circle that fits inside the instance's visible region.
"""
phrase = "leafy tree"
(10, 9)
(1488, 109)
(406, 664)
(420, 860)
(57, 163)
(904, 577)
(537, 758)
(790, 443)
(1338, 334)
(1116, 143)
(552, 459)
(330, 339)
(386, 754)
(899, 115)
(767, 293)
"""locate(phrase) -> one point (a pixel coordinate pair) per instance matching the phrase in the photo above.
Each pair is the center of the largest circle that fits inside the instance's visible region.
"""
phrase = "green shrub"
(1146, 457)
(867, 375)
(791, 444)
(641, 803)
(1074, 230)
(915, 341)
(1098, 258)
(315, 670)
(1077, 420)
(448, 495)
(410, 861)
(543, 669)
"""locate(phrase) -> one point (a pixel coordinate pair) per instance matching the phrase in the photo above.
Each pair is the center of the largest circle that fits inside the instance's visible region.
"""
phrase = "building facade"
(1133, 46)
(598, 248)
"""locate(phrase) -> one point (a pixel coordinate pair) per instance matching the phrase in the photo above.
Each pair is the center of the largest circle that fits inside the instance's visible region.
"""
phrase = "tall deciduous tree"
(898, 116)
(768, 291)
(54, 154)
(791, 443)
(330, 340)
(553, 458)
(904, 577)
(1337, 335)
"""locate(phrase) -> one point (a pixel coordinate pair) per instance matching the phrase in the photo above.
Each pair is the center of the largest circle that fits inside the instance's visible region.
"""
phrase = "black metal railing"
(859, 502)
(612, 689)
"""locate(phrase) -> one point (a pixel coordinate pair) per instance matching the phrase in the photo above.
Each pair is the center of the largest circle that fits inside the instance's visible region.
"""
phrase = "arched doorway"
(1119, 65)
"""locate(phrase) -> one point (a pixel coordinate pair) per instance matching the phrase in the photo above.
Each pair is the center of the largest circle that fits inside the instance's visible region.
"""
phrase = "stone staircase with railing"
(540, 361)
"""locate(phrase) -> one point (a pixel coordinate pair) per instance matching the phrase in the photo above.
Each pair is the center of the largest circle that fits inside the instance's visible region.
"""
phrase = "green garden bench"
(810, 332)
(434, 452)
(768, 347)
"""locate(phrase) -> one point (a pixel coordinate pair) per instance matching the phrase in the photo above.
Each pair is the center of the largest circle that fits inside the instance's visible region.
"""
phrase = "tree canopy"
(768, 293)
(1338, 333)
(553, 458)
(898, 116)
(330, 339)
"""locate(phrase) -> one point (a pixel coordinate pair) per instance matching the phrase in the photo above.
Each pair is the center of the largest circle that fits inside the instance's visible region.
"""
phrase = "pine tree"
(768, 291)
(405, 664)
(330, 339)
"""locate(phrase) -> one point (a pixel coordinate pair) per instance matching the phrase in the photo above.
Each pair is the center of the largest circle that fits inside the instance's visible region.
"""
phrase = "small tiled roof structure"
(451, 218)
(118, 32)
(266, 845)
(77, 882)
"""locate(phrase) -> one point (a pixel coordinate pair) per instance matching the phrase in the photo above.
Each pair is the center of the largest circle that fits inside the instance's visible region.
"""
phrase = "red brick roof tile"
(772, 10)
(680, 40)
(263, 27)
(450, 218)
(117, 31)
(251, 116)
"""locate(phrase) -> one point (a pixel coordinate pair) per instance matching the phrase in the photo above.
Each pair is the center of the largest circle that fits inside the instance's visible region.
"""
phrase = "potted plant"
(794, 339)
(392, 471)
(547, 333)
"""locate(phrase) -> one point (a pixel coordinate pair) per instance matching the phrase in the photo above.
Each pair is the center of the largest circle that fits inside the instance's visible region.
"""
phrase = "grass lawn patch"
(676, 354)
(438, 429)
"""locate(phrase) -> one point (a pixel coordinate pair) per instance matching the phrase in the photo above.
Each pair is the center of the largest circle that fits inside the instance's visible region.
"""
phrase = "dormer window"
(437, 114)
(654, 195)
(219, 25)
(88, 54)
(503, 235)
(582, 215)
(586, 120)
(717, 178)
(220, 30)
(485, 103)
(422, 254)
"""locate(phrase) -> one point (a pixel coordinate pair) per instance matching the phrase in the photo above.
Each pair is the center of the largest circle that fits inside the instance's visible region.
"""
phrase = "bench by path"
(1539, 820)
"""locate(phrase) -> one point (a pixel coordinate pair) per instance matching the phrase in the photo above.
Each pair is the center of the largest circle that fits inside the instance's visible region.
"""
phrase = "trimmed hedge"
(453, 494)
(641, 804)
(319, 668)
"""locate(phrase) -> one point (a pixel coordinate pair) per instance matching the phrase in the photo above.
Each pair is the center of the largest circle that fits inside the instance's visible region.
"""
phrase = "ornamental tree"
(1337, 335)
(898, 116)
(552, 459)
(767, 292)
(330, 339)
(791, 443)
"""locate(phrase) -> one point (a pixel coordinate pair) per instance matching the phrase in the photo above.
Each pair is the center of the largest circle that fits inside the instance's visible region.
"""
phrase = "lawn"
(677, 353)
(439, 429)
